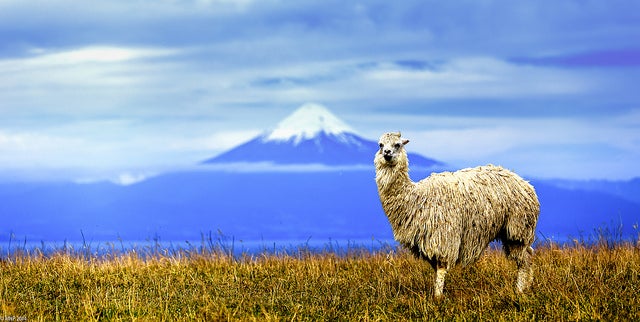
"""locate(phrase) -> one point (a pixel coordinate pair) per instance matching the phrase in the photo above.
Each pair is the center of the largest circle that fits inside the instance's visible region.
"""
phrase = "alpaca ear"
(405, 141)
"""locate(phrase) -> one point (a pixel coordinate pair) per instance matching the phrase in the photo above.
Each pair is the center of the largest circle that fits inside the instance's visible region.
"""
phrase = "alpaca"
(450, 218)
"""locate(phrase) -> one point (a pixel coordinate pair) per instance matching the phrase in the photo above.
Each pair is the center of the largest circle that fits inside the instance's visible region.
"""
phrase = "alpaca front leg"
(525, 277)
(523, 256)
(525, 270)
(441, 272)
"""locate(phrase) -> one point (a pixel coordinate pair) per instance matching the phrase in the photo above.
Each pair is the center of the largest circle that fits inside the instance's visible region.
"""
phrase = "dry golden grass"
(572, 283)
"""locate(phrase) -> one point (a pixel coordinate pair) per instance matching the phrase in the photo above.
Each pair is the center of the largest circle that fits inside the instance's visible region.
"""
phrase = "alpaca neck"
(393, 180)
(394, 187)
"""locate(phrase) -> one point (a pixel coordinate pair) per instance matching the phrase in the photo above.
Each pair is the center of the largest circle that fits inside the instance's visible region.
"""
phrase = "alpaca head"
(391, 150)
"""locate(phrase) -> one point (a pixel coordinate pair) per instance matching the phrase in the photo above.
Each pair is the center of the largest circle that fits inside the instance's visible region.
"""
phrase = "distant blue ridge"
(336, 205)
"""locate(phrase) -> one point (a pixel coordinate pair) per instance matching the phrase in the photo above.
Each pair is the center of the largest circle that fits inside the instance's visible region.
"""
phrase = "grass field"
(599, 282)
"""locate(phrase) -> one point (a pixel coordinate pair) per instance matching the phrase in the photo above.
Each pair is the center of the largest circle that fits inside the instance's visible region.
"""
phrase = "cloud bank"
(114, 86)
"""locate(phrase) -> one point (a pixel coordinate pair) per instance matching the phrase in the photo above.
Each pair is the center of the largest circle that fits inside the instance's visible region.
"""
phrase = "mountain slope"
(327, 149)
(311, 135)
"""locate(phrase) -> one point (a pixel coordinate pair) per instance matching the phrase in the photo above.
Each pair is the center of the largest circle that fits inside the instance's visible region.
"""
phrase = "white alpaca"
(450, 218)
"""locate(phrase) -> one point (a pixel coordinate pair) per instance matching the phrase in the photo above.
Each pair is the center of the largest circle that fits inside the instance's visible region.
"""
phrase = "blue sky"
(121, 89)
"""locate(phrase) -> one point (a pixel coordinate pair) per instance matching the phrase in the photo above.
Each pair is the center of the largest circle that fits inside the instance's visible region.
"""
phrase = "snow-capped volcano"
(307, 122)
(310, 135)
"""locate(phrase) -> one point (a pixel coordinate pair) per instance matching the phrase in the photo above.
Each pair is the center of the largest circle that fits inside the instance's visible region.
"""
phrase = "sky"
(119, 90)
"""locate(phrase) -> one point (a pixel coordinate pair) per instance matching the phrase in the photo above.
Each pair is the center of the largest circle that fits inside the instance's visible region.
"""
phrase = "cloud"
(29, 148)
(135, 84)
(542, 147)
(476, 77)
(389, 81)
(329, 29)
(119, 150)
(126, 179)
(78, 83)
(93, 54)
(215, 142)
(627, 57)
(249, 167)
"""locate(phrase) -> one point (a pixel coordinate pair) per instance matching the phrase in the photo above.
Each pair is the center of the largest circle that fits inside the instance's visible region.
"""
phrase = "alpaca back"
(463, 211)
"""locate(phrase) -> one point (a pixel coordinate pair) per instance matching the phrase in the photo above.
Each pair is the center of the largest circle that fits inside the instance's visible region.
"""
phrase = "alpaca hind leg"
(441, 272)
(522, 255)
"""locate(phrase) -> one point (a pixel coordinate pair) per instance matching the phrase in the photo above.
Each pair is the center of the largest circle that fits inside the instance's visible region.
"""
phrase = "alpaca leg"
(522, 255)
(441, 272)
(525, 271)
(525, 277)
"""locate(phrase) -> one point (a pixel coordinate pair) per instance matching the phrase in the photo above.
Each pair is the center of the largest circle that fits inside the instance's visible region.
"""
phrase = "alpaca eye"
(397, 145)
(381, 145)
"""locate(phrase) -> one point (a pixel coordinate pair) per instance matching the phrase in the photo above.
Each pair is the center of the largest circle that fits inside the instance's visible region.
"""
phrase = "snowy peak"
(311, 135)
(306, 123)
